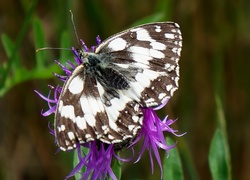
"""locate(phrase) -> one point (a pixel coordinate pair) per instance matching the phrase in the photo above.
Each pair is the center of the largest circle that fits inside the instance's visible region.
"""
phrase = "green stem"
(18, 42)
(116, 167)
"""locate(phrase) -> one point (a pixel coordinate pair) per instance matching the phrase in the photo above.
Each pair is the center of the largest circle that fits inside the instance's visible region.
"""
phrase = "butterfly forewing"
(155, 50)
(102, 98)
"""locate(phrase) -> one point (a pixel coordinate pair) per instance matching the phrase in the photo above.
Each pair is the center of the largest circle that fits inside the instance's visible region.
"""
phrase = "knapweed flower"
(97, 161)
(152, 134)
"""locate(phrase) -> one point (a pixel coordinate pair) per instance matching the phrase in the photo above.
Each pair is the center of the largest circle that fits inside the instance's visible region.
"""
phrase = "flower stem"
(116, 167)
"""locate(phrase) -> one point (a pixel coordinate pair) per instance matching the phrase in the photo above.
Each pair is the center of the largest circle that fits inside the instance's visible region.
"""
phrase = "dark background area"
(215, 62)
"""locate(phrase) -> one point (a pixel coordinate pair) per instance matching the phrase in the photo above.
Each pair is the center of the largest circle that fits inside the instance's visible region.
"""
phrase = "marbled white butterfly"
(103, 96)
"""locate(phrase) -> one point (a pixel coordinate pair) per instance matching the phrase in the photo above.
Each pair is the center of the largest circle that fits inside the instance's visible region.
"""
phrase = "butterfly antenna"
(52, 48)
(73, 23)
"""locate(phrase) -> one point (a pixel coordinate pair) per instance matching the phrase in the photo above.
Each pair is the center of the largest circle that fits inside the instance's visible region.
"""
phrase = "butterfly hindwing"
(82, 115)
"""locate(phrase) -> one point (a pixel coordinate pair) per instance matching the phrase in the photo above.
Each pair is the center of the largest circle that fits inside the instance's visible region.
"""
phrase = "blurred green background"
(213, 93)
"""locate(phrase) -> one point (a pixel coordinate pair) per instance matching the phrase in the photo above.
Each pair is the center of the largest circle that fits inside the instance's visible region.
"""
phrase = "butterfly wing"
(81, 115)
(154, 50)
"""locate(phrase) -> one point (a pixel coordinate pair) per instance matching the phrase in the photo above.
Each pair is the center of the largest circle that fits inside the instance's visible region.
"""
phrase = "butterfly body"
(108, 74)
(103, 96)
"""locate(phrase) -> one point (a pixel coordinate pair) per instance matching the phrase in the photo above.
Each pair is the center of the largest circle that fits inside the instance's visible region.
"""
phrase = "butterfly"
(103, 97)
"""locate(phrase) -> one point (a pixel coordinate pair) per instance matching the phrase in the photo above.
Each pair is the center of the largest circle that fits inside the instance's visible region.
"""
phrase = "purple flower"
(152, 134)
(97, 161)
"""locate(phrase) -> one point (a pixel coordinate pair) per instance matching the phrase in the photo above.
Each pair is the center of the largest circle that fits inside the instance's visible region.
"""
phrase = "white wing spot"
(135, 29)
(176, 81)
(144, 55)
(131, 127)
(116, 141)
(150, 101)
(157, 28)
(142, 81)
(90, 107)
(104, 141)
(62, 128)
(111, 137)
(169, 36)
(156, 54)
(126, 137)
(158, 46)
(177, 71)
(117, 44)
(168, 87)
(140, 54)
(142, 59)
(143, 35)
(173, 90)
(177, 51)
(161, 95)
(113, 111)
(177, 25)
(68, 112)
(169, 67)
(71, 135)
(87, 136)
(81, 123)
(105, 129)
(76, 85)
(90, 119)
(174, 30)
(135, 118)
(180, 44)
(62, 148)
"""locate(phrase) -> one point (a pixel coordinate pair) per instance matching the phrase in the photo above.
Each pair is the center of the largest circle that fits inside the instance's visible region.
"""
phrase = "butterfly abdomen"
(114, 79)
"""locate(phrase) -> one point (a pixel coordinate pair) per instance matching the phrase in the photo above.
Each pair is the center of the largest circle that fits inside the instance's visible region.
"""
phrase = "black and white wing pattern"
(102, 98)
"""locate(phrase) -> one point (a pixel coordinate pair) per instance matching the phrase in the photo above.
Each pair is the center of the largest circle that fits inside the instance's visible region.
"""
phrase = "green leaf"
(7, 44)
(65, 54)
(39, 42)
(218, 157)
(8, 47)
(165, 7)
(76, 161)
(172, 167)
(12, 59)
(152, 18)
